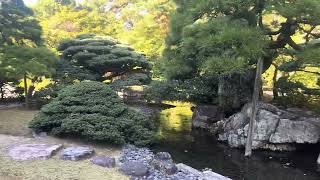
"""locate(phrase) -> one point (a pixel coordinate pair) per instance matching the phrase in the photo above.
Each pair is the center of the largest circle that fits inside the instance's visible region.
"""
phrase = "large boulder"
(274, 129)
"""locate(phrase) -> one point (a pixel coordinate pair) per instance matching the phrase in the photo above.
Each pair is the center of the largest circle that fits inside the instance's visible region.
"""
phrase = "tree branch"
(294, 45)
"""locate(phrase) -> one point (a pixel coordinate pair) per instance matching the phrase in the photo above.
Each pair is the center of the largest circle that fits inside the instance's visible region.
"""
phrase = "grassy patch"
(55, 169)
(15, 121)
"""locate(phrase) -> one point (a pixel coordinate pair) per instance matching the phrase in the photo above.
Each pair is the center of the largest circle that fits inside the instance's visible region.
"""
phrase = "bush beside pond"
(93, 111)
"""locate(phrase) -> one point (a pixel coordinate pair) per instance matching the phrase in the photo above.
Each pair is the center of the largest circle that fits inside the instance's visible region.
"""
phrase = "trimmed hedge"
(93, 111)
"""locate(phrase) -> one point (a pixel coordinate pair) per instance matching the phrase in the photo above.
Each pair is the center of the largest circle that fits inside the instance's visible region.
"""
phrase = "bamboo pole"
(26, 90)
(255, 100)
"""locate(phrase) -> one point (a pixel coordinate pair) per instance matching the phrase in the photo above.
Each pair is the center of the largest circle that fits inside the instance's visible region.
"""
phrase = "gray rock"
(205, 115)
(165, 167)
(274, 128)
(191, 173)
(132, 168)
(295, 132)
(132, 153)
(39, 135)
(76, 153)
(163, 156)
(33, 151)
(104, 161)
(209, 175)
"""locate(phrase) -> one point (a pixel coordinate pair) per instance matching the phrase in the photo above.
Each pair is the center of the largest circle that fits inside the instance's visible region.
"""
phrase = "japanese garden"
(160, 89)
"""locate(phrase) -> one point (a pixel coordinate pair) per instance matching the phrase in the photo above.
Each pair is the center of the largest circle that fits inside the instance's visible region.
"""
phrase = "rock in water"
(104, 161)
(163, 156)
(205, 115)
(76, 153)
(33, 151)
(164, 163)
(274, 129)
(134, 168)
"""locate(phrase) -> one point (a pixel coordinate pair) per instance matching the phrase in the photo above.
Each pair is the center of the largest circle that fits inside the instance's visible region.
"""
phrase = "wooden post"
(26, 90)
(255, 100)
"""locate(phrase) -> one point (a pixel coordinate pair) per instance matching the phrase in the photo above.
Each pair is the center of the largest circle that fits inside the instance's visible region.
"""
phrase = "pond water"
(200, 151)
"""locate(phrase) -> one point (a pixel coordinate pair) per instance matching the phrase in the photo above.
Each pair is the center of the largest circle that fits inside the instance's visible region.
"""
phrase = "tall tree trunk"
(30, 91)
(1, 91)
(255, 100)
(26, 90)
(274, 80)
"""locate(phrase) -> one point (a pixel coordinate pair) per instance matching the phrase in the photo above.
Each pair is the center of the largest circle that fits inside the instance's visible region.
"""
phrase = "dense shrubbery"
(198, 90)
(92, 110)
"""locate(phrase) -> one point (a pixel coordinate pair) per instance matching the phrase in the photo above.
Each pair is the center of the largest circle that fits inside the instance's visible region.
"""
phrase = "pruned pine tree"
(103, 58)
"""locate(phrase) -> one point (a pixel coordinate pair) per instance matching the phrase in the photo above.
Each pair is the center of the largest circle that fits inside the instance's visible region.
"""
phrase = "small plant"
(92, 110)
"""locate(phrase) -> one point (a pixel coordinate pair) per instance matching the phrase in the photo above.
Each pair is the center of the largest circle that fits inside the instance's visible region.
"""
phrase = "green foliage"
(142, 24)
(31, 61)
(131, 80)
(17, 26)
(228, 36)
(93, 111)
(214, 47)
(91, 57)
(198, 90)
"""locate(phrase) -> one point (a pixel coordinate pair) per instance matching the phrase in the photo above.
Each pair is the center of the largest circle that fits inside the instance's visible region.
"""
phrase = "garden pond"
(200, 150)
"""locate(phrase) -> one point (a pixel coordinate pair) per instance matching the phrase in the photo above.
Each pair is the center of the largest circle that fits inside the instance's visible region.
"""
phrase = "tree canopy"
(105, 59)
(224, 37)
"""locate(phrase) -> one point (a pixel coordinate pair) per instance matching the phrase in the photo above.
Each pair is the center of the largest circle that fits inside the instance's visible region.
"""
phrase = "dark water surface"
(200, 151)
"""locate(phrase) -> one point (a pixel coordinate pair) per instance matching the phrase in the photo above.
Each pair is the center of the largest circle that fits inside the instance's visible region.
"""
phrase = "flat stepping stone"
(33, 151)
(104, 161)
(76, 153)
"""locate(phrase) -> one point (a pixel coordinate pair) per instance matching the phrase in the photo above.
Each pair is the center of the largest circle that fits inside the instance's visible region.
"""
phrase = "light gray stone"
(163, 156)
(76, 153)
(104, 161)
(133, 168)
(295, 132)
(209, 175)
(274, 128)
(33, 151)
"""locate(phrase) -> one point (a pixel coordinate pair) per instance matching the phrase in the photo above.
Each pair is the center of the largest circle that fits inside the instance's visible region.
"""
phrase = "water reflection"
(199, 150)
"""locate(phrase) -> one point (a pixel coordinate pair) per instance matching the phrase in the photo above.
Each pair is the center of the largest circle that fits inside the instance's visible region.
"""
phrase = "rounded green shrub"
(93, 111)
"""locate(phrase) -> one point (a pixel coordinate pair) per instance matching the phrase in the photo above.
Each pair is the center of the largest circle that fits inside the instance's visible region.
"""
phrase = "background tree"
(104, 59)
(224, 38)
(29, 63)
(142, 24)
(21, 54)
(17, 25)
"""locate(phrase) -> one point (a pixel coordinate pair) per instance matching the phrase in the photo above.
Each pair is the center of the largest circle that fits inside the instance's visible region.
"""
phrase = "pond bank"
(200, 150)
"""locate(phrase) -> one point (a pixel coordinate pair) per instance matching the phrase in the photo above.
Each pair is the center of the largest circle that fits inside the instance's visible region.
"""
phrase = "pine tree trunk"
(255, 100)
(274, 80)
(1, 91)
(26, 91)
